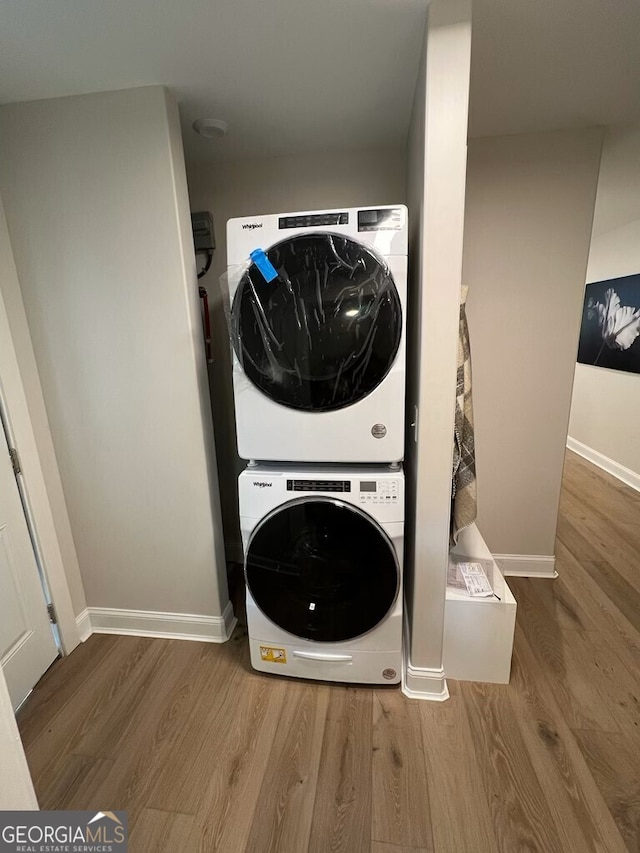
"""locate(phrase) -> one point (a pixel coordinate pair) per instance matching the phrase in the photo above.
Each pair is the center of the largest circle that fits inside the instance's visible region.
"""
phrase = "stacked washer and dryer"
(317, 314)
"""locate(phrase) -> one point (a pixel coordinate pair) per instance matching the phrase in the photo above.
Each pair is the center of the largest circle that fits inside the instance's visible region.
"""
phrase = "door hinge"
(53, 616)
(15, 461)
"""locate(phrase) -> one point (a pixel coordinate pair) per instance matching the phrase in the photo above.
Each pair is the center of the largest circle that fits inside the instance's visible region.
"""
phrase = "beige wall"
(95, 195)
(436, 193)
(528, 223)
(281, 184)
(605, 409)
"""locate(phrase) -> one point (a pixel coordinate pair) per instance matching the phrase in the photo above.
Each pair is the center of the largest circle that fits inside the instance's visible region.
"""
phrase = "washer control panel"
(378, 492)
(318, 486)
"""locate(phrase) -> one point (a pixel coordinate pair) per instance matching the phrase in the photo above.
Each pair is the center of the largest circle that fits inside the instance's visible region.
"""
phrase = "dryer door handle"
(320, 656)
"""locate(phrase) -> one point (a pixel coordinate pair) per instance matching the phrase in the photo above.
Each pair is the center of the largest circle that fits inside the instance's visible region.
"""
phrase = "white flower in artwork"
(619, 324)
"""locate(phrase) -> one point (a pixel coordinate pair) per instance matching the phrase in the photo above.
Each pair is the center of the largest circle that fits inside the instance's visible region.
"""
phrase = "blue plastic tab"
(269, 272)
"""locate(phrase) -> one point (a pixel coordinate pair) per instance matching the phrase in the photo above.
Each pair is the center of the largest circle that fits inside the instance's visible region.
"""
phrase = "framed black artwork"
(610, 332)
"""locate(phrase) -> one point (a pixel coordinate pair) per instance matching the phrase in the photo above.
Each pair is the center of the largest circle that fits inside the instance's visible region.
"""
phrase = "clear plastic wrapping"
(315, 321)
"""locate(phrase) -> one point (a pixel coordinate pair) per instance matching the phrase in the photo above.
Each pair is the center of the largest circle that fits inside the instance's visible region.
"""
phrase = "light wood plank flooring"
(207, 755)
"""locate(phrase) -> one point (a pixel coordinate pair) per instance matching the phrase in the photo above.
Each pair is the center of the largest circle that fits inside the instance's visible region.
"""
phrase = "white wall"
(436, 193)
(95, 198)
(16, 787)
(272, 185)
(605, 409)
(528, 222)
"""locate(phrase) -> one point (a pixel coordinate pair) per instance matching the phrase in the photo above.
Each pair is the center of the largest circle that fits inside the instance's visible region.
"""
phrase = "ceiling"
(287, 75)
(291, 76)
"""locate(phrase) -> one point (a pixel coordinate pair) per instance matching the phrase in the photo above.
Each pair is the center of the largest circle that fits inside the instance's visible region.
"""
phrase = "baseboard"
(625, 475)
(527, 565)
(420, 682)
(423, 683)
(149, 623)
(83, 621)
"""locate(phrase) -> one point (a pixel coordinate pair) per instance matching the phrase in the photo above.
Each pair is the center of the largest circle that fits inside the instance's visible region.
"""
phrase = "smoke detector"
(210, 128)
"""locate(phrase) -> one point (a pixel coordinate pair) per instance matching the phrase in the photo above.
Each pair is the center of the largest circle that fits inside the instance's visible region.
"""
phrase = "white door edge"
(21, 434)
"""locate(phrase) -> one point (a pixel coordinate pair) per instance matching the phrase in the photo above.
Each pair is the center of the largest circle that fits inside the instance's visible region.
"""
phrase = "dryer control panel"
(378, 492)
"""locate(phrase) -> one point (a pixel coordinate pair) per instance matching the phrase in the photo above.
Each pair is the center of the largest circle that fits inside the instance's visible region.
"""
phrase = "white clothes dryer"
(318, 307)
(323, 567)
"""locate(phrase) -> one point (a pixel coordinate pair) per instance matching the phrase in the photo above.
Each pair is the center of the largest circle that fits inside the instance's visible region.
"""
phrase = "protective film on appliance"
(315, 321)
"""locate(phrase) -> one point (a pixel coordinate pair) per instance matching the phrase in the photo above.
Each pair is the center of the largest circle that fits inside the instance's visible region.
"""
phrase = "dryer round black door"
(322, 570)
(326, 331)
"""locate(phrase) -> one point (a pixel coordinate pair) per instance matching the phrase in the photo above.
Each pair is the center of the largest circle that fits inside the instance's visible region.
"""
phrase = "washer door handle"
(320, 656)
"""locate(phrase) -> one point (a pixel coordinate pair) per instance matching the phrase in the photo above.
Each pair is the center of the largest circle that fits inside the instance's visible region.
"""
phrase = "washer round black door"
(322, 570)
(326, 331)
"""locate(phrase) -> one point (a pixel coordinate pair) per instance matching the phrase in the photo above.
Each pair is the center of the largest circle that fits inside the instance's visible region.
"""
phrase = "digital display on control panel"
(313, 219)
(319, 486)
(368, 486)
(387, 219)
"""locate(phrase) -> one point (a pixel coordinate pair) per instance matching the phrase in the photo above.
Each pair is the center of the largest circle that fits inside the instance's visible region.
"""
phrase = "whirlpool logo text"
(262, 484)
(249, 226)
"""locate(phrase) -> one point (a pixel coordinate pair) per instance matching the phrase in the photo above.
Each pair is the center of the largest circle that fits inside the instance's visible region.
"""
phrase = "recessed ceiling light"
(210, 128)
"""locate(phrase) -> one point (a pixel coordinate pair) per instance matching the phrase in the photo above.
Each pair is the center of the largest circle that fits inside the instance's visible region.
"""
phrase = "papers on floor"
(469, 575)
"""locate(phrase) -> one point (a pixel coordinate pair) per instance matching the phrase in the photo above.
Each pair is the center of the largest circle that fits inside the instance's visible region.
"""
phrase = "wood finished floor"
(207, 755)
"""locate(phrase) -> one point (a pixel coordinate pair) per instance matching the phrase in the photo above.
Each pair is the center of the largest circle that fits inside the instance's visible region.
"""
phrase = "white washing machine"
(318, 305)
(323, 566)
